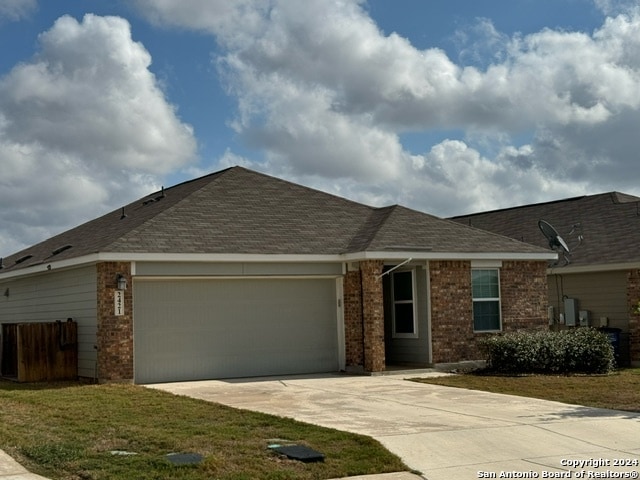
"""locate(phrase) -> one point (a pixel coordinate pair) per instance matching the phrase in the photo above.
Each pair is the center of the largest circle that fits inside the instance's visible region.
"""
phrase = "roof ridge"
(528, 205)
(299, 185)
(151, 197)
(216, 177)
(621, 197)
(615, 196)
(370, 228)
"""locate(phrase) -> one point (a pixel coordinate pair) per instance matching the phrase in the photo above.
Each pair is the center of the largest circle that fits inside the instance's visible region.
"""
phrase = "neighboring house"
(601, 271)
(241, 274)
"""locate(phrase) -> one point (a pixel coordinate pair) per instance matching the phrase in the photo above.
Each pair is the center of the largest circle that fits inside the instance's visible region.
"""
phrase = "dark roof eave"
(594, 267)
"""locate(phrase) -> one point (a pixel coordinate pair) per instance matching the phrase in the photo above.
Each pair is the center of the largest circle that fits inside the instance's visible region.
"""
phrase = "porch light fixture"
(121, 281)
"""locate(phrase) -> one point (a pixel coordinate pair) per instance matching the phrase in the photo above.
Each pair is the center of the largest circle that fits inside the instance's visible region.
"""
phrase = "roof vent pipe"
(123, 215)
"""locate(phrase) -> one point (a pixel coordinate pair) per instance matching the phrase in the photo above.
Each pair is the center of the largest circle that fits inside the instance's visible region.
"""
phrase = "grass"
(68, 431)
(618, 391)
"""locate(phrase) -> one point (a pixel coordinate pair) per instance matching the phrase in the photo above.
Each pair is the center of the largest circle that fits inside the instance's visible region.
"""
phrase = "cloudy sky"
(449, 107)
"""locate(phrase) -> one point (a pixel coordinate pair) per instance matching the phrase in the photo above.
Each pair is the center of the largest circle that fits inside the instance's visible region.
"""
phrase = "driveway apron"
(442, 432)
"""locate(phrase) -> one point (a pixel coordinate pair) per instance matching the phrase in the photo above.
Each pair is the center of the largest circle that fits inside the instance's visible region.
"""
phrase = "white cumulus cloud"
(328, 96)
(84, 127)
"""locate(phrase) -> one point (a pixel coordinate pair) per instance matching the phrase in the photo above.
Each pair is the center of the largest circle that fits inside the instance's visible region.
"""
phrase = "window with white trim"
(404, 307)
(485, 286)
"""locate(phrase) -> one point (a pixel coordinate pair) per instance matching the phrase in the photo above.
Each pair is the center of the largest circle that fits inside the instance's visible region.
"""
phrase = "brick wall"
(523, 290)
(633, 295)
(451, 312)
(353, 328)
(364, 317)
(114, 333)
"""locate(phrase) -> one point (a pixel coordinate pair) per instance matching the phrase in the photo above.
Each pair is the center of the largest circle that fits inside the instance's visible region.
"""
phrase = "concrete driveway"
(445, 433)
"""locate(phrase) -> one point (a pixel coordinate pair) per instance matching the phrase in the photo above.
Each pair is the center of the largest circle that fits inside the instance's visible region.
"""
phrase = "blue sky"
(449, 107)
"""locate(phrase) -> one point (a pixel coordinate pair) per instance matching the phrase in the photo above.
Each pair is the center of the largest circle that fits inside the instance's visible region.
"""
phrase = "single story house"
(239, 274)
(597, 282)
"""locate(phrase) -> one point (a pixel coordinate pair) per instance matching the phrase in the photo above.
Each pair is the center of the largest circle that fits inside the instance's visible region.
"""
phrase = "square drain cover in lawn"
(184, 458)
(301, 453)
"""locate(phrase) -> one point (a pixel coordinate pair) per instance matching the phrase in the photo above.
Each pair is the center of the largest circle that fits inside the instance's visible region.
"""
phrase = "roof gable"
(407, 229)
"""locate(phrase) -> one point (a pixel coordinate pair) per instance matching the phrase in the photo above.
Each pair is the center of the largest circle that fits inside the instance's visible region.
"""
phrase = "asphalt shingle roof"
(239, 211)
(609, 224)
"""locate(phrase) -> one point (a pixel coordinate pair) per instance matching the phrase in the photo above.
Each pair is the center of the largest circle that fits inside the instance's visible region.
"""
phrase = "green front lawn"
(68, 431)
(618, 391)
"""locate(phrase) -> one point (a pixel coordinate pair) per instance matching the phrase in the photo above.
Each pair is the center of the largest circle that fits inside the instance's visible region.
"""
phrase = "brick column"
(353, 329)
(373, 315)
(114, 333)
(633, 295)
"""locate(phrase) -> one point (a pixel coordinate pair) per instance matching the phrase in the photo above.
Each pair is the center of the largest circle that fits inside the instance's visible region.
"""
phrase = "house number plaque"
(118, 302)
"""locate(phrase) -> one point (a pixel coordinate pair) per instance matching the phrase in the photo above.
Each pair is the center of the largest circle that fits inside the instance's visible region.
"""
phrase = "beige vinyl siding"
(57, 295)
(603, 294)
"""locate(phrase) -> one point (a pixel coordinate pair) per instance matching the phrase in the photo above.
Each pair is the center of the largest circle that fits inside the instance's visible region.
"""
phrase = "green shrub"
(580, 350)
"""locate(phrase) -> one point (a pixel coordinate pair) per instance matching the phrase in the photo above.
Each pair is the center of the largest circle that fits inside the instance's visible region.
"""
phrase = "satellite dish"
(554, 238)
(556, 242)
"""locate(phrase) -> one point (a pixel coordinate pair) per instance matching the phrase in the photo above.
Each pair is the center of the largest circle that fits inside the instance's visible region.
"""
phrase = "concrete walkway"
(12, 470)
(445, 433)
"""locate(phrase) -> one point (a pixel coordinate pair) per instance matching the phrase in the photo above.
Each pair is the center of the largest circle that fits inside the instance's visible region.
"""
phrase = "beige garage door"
(225, 328)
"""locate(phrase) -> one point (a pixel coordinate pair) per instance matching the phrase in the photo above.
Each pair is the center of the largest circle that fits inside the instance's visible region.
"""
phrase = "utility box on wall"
(583, 316)
(570, 312)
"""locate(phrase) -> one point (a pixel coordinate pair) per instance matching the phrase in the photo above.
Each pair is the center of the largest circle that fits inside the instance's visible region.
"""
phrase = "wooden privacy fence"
(35, 352)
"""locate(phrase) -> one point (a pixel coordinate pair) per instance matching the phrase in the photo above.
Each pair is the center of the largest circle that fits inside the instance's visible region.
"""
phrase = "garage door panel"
(195, 329)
